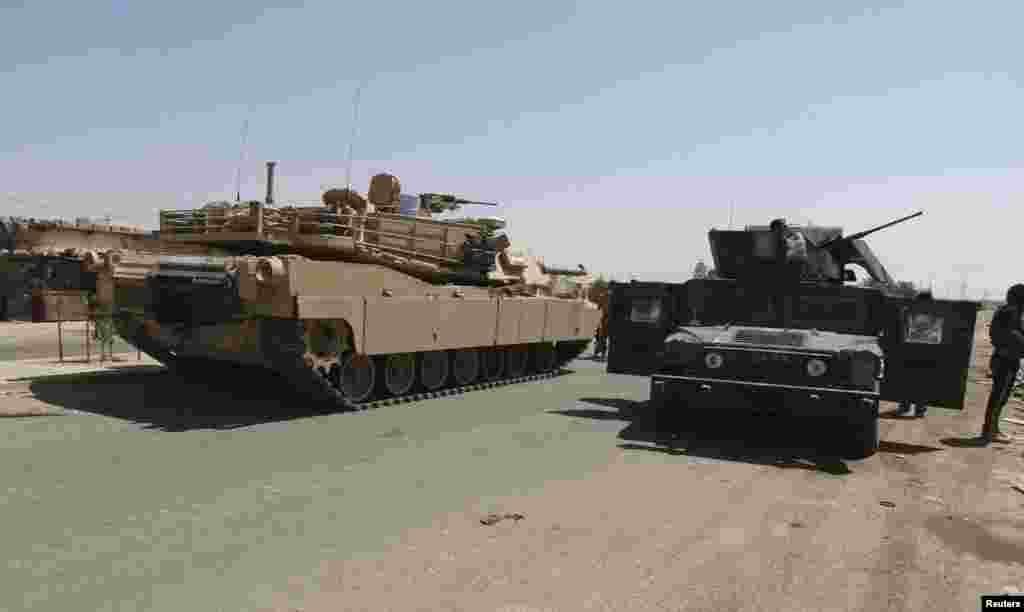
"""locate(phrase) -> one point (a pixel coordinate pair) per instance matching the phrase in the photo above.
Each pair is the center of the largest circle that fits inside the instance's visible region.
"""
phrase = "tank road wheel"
(399, 373)
(356, 377)
(465, 366)
(515, 361)
(433, 369)
(492, 363)
(543, 357)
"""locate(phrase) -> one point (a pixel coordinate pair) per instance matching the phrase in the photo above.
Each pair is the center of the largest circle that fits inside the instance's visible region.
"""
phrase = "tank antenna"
(732, 212)
(241, 160)
(351, 142)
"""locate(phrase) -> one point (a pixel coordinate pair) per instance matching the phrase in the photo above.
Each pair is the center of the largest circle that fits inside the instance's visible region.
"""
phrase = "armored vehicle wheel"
(399, 373)
(543, 357)
(465, 366)
(515, 361)
(861, 434)
(665, 417)
(492, 363)
(356, 377)
(433, 369)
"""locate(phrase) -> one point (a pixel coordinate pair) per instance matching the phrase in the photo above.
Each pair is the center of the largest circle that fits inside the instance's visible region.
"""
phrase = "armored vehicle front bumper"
(676, 392)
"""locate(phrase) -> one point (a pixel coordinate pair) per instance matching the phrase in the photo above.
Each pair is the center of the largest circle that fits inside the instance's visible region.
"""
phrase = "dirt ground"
(141, 491)
(932, 522)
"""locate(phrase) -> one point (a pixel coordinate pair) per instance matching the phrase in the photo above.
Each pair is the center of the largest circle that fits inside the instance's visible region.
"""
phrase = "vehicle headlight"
(681, 347)
(714, 360)
(816, 368)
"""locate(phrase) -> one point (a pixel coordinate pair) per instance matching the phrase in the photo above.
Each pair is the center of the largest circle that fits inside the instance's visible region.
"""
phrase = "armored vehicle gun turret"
(779, 252)
(781, 329)
(355, 300)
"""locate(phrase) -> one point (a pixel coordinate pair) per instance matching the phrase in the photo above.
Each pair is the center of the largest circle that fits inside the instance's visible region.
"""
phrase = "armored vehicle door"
(639, 318)
(928, 351)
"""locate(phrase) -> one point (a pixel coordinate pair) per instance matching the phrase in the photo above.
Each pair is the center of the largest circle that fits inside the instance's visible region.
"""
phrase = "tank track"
(284, 346)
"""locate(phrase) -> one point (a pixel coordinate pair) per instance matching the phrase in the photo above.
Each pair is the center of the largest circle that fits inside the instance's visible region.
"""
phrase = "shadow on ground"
(225, 397)
(905, 448)
(971, 442)
(757, 439)
(895, 415)
(159, 400)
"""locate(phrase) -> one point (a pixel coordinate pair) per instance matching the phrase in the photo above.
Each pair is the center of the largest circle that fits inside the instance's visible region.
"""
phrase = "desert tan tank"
(353, 301)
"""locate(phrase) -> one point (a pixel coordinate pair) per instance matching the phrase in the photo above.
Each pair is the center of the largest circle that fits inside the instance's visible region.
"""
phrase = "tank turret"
(780, 252)
(348, 226)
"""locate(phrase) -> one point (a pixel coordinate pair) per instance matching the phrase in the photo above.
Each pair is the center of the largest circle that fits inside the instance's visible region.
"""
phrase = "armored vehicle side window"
(645, 310)
(923, 328)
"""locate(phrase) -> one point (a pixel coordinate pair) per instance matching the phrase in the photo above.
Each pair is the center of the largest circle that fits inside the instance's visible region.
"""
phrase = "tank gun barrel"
(872, 230)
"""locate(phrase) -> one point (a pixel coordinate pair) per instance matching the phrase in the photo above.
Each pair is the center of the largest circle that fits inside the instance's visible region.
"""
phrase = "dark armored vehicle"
(780, 328)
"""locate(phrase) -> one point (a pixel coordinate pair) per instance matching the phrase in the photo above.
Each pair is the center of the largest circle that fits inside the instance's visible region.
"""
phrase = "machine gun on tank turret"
(478, 252)
(440, 202)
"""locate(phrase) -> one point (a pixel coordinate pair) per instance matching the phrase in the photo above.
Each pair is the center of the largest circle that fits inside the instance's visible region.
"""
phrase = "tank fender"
(263, 284)
(326, 341)
(351, 310)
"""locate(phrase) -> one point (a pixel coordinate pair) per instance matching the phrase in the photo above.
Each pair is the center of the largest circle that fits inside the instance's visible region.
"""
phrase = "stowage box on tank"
(779, 328)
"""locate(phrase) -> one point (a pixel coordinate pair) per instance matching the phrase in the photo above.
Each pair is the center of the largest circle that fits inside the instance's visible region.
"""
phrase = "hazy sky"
(615, 134)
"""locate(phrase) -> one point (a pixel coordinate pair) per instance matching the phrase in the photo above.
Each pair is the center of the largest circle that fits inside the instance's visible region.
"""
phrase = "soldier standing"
(700, 270)
(601, 337)
(1007, 336)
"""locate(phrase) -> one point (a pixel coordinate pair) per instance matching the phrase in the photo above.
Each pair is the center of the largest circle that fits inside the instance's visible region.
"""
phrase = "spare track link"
(284, 347)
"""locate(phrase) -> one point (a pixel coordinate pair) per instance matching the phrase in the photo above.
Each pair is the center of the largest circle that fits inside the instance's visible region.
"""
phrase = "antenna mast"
(241, 159)
(351, 142)
(732, 212)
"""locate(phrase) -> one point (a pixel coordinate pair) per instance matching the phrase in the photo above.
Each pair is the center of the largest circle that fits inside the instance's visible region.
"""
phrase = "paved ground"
(117, 501)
